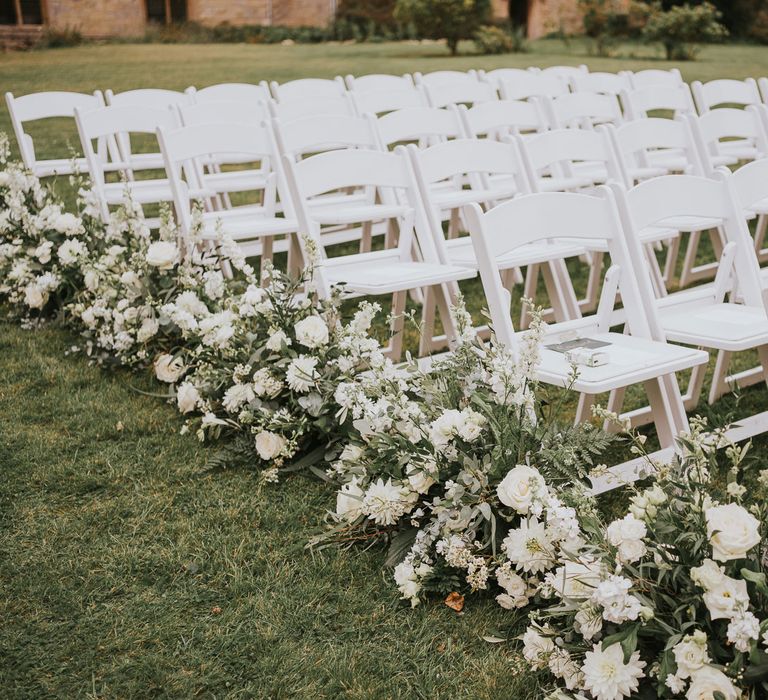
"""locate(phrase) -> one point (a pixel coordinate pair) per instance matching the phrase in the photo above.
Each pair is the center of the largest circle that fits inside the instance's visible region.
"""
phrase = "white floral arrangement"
(41, 246)
(266, 379)
(144, 299)
(669, 600)
(458, 468)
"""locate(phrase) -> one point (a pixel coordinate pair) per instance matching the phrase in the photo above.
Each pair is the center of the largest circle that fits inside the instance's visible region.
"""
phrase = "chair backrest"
(382, 101)
(567, 73)
(715, 128)
(654, 77)
(231, 92)
(445, 77)
(44, 105)
(378, 82)
(654, 201)
(582, 110)
(602, 83)
(525, 85)
(502, 118)
(634, 141)
(750, 184)
(558, 152)
(299, 137)
(357, 168)
(536, 217)
(223, 112)
(423, 124)
(289, 108)
(185, 148)
(308, 89)
(153, 98)
(464, 92)
(639, 102)
(724, 92)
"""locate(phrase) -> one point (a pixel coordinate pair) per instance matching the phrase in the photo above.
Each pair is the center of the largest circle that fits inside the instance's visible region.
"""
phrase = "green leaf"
(627, 638)
(400, 545)
(758, 579)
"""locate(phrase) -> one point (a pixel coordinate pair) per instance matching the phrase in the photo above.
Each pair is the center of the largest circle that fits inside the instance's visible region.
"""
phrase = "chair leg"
(454, 224)
(760, 229)
(657, 278)
(444, 301)
(673, 253)
(529, 292)
(589, 303)
(366, 237)
(565, 305)
(689, 261)
(720, 385)
(427, 322)
(295, 257)
(664, 416)
(584, 408)
(267, 253)
(397, 325)
(615, 404)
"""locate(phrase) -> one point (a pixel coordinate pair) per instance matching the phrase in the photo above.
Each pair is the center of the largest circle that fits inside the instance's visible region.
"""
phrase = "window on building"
(166, 11)
(21, 12)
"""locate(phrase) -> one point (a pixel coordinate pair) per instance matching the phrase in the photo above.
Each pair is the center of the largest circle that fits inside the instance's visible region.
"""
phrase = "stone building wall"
(98, 18)
(548, 16)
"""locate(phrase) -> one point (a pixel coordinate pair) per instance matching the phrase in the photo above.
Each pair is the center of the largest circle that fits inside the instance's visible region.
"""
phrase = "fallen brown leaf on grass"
(455, 601)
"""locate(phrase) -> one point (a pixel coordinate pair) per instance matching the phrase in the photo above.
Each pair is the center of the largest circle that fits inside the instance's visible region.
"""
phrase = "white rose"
(732, 531)
(311, 332)
(187, 397)
(168, 368)
(276, 341)
(519, 488)
(349, 500)
(419, 480)
(34, 297)
(723, 595)
(162, 255)
(269, 445)
(627, 536)
(691, 654)
(707, 681)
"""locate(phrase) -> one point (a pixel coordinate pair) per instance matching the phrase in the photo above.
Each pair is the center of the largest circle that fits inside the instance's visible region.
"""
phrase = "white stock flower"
(168, 368)
(68, 224)
(43, 252)
(742, 630)
(311, 332)
(627, 536)
(466, 424)
(537, 647)
(264, 384)
(408, 578)
(301, 374)
(732, 531)
(520, 487)
(516, 591)
(707, 681)
(236, 396)
(606, 675)
(691, 654)
(162, 255)
(187, 397)
(349, 501)
(70, 251)
(269, 445)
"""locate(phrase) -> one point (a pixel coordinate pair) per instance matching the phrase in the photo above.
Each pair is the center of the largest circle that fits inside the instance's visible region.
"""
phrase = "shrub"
(493, 40)
(60, 38)
(607, 22)
(444, 19)
(680, 28)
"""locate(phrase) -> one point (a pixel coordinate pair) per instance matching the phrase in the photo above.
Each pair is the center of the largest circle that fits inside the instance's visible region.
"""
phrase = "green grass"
(116, 547)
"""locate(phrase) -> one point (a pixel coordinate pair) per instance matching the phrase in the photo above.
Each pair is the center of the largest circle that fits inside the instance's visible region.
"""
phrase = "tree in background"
(368, 15)
(682, 27)
(444, 19)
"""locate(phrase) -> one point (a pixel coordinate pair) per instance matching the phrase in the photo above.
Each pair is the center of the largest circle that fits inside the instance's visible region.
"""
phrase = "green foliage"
(60, 38)
(680, 28)
(608, 22)
(444, 19)
(490, 39)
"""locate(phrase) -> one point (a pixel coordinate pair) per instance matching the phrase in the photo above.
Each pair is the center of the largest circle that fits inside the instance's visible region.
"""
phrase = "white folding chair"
(253, 226)
(636, 357)
(601, 83)
(470, 92)
(377, 94)
(566, 73)
(582, 110)
(702, 317)
(445, 77)
(230, 92)
(726, 136)
(515, 84)
(424, 125)
(654, 77)
(393, 271)
(496, 120)
(675, 100)
(46, 105)
(641, 147)
(106, 123)
(150, 98)
(724, 92)
(307, 89)
(495, 173)
(750, 183)
(289, 109)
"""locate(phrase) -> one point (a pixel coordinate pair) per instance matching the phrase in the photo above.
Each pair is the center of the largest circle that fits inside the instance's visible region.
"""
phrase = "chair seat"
(725, 326)
(654, 234)
(461, 252)
(759, 207)
(355, 212)
(245, 222)
(142, 191)
(690, 223)
(631, 360)
(373, 273)
(60, 166)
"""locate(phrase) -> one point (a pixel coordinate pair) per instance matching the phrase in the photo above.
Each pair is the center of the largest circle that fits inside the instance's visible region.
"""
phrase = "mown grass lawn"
(127, 570)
